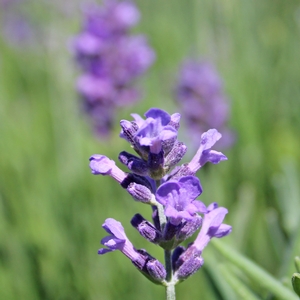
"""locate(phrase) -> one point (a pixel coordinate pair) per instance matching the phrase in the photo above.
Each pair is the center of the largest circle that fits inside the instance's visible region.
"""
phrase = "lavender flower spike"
(202, 101)
(178, 198)
(111, 59)
(101, 164)
(204, 153)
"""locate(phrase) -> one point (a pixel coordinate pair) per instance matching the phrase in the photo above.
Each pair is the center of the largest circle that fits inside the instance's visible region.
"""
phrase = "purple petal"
(223, 230)
(100, 164)
(167, 133)
(209, 138)
(164, 192)
(156, 113)
(115, 228)
(211, 156)
(138, 119)
(201, 208)
(192, 185)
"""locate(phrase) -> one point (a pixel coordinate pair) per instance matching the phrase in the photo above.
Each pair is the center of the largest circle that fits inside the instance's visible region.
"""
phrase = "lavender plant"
(202, 101)
(172, 193)
(111, 60)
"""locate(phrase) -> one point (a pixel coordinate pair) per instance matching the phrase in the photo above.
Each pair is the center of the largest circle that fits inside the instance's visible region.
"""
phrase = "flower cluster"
(111, 59)
(172, 192)
(200, 94)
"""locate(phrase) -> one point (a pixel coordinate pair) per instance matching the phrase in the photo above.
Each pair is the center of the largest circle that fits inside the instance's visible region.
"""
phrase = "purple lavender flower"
(16, 26)
(190, 260)
(203, 155)
(201, 98)
(111, 59)
(175, 210)
(144, 262)
(100, 164)
(140, 188)
(117, 240)
(178, 198)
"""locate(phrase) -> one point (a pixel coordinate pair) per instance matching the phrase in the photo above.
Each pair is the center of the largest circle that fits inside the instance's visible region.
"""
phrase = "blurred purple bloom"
(178, 198)
(16, 25)
(203, 104)
(111, 60)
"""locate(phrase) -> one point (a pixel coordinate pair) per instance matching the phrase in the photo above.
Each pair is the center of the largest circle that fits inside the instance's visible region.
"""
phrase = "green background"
(52, 208)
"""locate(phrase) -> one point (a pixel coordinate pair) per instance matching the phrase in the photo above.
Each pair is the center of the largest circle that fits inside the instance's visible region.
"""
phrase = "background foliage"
(52, 208)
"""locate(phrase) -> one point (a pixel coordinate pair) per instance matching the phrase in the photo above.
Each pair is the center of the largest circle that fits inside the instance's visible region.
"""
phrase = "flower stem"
(170, 292)
(160, 208)
(170, 284)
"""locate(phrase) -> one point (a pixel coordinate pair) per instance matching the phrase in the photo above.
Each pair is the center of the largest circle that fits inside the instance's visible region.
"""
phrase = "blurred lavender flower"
(16, 25)
(176, 212)
(111, 59)
(201, 98)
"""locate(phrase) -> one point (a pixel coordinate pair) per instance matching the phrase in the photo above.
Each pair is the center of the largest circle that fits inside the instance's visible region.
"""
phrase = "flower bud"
(156, 270)
(140, 192)
(175, 155)
(155, 163)
(146, 229)
(188, 228)
(189, 267)
(133, 163)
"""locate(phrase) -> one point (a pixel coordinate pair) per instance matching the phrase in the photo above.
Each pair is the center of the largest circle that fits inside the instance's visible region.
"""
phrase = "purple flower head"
(200, 95)
(111, 60)
(204, 153)
(155, 130)
(155, 141)
(178, 198)
(171, 194)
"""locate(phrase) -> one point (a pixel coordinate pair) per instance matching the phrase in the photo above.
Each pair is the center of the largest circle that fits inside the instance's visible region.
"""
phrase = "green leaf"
(297, 263)
(296, 283)
(256, 273)
(237, 285)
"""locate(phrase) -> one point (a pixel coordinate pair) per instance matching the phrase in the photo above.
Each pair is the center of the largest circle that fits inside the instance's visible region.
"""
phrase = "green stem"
(170, 285)
(170, 292)
(168, 261)
(161, 213)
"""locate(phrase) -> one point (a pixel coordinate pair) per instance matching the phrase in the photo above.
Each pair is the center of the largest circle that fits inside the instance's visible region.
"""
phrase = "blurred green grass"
(52, 208)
